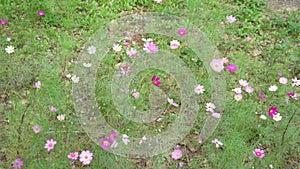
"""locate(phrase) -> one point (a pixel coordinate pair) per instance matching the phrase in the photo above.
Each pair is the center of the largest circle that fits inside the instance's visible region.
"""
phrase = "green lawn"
(263, 42)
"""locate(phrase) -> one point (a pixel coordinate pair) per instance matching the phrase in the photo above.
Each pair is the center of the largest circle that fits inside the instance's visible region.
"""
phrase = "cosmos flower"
(18, 163)
(86, 157)
(259, 153)
(217, 142)
(199, 89)
(50, 144)
(150, 47)
(182, 32)
(36, 129)
(41, 13)
(217, 65)
(232, 68)
(73, 155)
(177, 154)
(230, 19)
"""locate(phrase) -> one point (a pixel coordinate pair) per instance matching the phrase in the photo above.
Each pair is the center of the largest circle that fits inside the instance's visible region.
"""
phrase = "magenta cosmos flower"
(18, 163)
(106, 143)
(150, 47)
(232, 68)
(50, 144)
(273, 111)
(176, 154)
(259, 153)
(41, 13)
(182, 32)
(292, 95)
(3, 22)
(73, 155)
(155, 81)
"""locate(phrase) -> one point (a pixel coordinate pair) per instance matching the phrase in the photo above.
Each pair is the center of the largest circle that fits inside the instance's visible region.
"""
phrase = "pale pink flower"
(283, 80)
(50, 144)
(38, 84)
(171, 101)
(86, 157)
(53, 109)
(177, 154)
(230, 19)
(132, 52)
(36, 129)
(181, 164)
(216, 115)
(61, 117)
(199, 89)
(249, 89)
(249, 37)
(243, 82)
(238, 97)
(217, 65)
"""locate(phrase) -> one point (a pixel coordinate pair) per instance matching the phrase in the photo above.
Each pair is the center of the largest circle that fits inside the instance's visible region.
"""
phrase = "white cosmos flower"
(273, 88)
(10, 49)
(91, 50)
(117, 47)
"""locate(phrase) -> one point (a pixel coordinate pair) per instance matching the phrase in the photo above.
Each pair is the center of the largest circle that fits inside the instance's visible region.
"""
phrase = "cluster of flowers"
(243, 84)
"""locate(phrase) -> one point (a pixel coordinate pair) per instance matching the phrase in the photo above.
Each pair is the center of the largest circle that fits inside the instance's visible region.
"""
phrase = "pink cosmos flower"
(262, 95)
(232, 68)
(50, 144)
(150, 47)
(155, 81)
(238, 96)
(18, 163)
(135, 94)
(86, 157)
(132, 52)
(279, 74)
(259, 153)
(36, 129)
(113, 135)
(38, 84)
(273, 111)
(249, 89)
(106, 143)
(181, 164)
(3, 22)
(230, 19)
(182, 32)
(176, 154)
(41, 13)
(73, 155)
(53, 109)
(126, 43)
(249, 37)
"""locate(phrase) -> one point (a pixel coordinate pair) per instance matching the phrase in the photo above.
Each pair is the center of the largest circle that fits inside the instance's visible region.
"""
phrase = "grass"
(48, 54)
